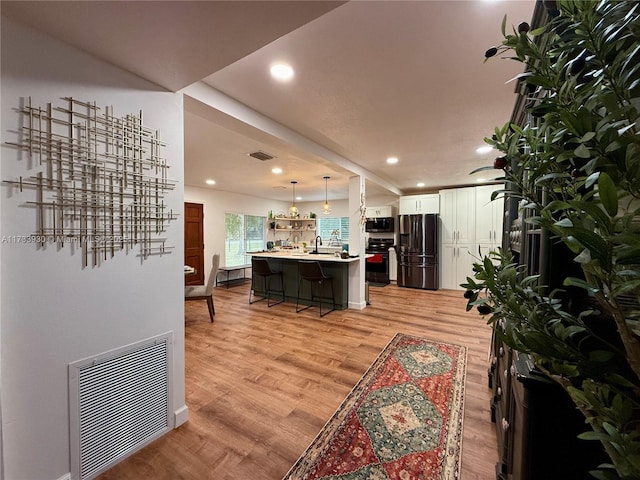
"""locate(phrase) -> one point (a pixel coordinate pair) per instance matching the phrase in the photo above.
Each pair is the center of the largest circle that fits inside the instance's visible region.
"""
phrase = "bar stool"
(311, 271)
(262, 269)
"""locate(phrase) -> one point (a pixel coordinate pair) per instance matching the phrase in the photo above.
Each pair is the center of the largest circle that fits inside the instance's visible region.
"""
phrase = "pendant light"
(293, 210)
(326, 208)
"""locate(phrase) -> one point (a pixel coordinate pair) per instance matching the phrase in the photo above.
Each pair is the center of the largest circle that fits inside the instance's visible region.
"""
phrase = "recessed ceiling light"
(484, 149)
(480, 180)
(282, 71)
(392, 160)
(210, 182)
(298, 198)
(420, 184)
(276, 170)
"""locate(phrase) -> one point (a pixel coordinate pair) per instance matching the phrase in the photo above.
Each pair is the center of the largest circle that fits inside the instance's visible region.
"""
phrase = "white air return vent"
(261, 155)
(119, 401)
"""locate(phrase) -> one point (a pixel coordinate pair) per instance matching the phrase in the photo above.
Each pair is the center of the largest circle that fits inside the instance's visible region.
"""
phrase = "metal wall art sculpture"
(103, 183)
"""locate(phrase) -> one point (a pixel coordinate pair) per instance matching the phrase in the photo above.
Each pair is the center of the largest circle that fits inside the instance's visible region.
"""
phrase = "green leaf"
(603, 475)
(591, 179)
(578, 282)
(564, 223)
(619, 380)
(495, 194)
(482, 169)
(596, 212)
(626, 287)
(630, 57)
(573, 244)
(601, 356)
(557, 205)
(629, 256)
(610, 429)
(538, 31)
(582, 151)
(572, 330)
(578, 395)
(613, 146)
(608, 194)
(565, 369)
(635, 460)
(594, 243)
(540, 80)
(593, 436)
(516, 128)
(551, 176)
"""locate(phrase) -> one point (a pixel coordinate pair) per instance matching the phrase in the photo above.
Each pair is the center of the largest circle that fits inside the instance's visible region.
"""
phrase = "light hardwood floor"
(261, 382)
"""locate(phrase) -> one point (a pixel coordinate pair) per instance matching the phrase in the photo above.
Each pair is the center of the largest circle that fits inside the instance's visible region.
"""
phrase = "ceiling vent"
(261, 155)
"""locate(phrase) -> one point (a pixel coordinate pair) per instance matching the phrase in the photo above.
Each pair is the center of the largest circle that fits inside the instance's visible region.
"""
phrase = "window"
(243, 233)
(328, 225)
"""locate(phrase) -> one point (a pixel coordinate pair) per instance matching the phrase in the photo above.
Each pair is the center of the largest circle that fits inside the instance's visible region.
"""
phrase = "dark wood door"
(194, 242)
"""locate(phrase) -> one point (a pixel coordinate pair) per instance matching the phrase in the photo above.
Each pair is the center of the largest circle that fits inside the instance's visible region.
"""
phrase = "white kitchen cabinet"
(470, 227)
(379, 212)
(457, 236)
(456, 264)
(412, 204)
(457, 215)
(489, 217)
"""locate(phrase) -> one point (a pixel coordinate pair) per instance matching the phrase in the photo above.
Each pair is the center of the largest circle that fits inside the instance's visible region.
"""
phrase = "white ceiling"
(373, 79)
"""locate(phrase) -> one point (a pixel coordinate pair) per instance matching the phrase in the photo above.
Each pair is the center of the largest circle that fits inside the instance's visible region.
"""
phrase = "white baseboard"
(180, 416)
(357, 305)
(66, 476)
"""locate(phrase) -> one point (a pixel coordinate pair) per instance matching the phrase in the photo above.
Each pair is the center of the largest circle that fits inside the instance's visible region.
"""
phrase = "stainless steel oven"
(377, 265)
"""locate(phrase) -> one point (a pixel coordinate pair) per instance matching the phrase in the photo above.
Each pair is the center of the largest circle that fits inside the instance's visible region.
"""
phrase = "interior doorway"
(194, 242)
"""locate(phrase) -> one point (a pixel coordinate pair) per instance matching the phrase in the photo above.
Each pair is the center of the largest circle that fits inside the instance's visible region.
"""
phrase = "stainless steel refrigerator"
(417, 251)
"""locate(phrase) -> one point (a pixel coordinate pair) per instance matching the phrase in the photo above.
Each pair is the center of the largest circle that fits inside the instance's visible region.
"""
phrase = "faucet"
(318, 237)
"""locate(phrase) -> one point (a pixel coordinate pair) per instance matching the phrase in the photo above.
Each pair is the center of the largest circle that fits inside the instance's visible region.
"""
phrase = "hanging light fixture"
(326, 208)
(293, 210)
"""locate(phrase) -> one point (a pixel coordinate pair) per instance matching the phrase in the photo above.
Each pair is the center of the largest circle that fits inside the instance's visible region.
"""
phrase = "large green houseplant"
(574, 167)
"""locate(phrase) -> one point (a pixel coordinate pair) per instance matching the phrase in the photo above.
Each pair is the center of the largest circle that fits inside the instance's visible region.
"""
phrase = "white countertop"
(296, 255)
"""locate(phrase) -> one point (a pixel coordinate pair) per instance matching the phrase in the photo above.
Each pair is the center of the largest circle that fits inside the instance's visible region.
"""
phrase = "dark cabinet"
(499, 378)
(537, 424)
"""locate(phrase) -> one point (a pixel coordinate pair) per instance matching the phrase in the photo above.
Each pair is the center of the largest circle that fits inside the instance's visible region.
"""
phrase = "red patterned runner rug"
(402, 420)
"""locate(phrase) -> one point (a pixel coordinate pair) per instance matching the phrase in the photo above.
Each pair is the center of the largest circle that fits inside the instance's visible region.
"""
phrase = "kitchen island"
(287, 262)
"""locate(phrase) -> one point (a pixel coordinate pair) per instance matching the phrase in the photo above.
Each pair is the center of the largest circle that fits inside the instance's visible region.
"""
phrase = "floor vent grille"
(119, 402)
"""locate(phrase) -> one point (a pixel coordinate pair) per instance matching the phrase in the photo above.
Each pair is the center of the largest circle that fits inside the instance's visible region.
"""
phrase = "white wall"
(53, 311)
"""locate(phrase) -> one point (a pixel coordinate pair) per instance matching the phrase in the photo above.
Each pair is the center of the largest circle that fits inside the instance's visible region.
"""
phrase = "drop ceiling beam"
(236, 110)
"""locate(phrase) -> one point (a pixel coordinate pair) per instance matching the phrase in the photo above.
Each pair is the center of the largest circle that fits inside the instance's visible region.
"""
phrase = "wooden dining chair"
(205, 292)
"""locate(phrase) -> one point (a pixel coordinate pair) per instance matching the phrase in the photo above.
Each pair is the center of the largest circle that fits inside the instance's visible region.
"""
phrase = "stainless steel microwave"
(381, 224)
